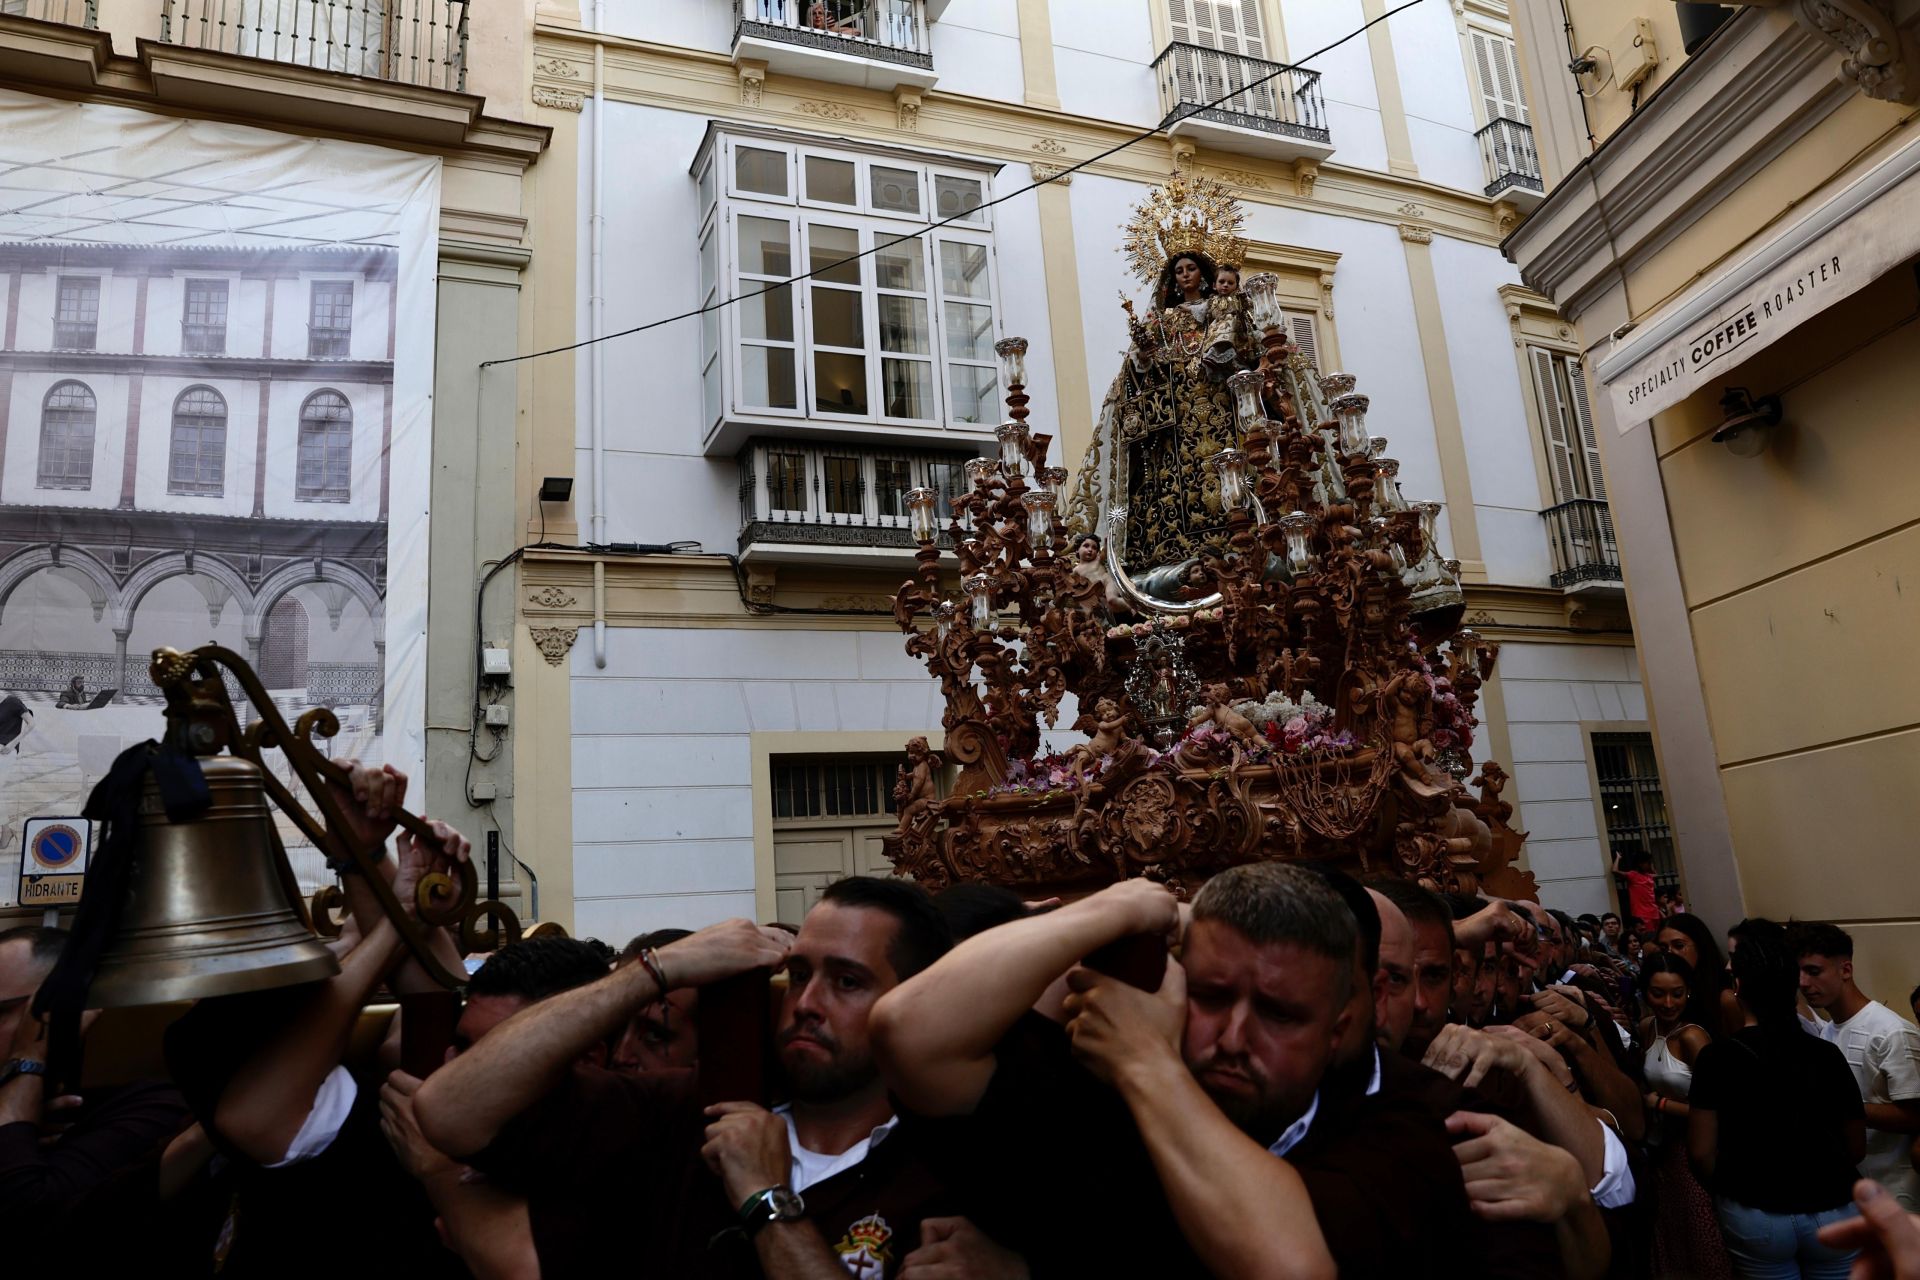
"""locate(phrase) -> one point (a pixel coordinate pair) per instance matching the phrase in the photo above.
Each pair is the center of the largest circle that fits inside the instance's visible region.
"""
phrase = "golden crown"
(1185, 214)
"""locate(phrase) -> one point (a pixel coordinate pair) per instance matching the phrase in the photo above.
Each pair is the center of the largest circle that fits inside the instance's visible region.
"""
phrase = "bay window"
(889, 328)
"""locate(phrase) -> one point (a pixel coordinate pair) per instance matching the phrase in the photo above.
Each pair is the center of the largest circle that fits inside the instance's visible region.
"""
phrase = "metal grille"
(1581, 533)
(204, 326)
(418, 42)
(326, 449)
(856, 788)
(66, 438)
(1509, 157)
(837, 495)
(1289, 103)
(76, 320)
(1634, 802)
(330, 320)
(197, 462)
(883, 30)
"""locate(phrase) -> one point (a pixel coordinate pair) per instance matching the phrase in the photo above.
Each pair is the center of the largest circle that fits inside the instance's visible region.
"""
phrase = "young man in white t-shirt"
(1882, 1048)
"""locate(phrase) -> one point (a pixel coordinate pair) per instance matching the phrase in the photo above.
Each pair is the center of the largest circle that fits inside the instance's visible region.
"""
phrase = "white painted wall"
(663, 800)
(976, 50)
(1549, 690)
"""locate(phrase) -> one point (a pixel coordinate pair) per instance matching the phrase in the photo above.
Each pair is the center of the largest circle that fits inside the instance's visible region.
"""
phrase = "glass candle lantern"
(978, 469)
(1453, 569)
(1262, 292)
(921, 503)
(943, 619)
(1013, 361)
(1231, 464)
(1013, 448)
(971, 550)
(1376, 445)
(1054, 480)
(1297, 527)
(1386, 485)
(1335, 385)
(1350, 411)
(1039, 505)
(1384, 538)
(1428, 510)
(1245, 386)
(979, 590)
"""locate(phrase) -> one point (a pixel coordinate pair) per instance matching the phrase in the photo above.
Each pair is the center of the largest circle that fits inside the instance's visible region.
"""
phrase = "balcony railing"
(417, 42)
(70, 13)
(1509, 157)
(1583, 547)
(1288, 104)
(884, 30)
(837, 495)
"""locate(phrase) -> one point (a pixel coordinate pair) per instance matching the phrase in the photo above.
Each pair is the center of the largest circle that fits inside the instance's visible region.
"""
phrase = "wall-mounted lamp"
(1743, 430)
(556, 488)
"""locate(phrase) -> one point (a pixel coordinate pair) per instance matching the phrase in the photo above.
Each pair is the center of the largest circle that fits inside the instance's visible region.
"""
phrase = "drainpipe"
(599, 613)
(597, 299)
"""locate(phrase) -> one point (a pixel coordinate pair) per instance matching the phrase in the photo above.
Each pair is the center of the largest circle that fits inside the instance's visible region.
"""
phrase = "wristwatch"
(20, 1067)
(775, 1204)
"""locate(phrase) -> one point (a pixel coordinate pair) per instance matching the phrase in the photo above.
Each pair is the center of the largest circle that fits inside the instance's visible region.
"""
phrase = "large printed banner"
(216, 364)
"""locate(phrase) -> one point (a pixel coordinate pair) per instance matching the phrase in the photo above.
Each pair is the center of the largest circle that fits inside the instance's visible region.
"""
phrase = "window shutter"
(1253, 40)
(1588, 444)
(1498, 73)
(1560, 459)
(1300, 328)
(1181, 21)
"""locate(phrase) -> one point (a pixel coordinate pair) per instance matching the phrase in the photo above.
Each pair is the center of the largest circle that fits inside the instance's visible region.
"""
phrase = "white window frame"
(872, 226)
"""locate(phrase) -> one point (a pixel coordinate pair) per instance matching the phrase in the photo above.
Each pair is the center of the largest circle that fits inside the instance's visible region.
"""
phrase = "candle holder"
(921, 504)
(1013, 440)
(1231, 465)
(1245, 386)
(979, 589)
(1386, 485)
(1335, 385)
(943, 616)
(1039, 505)
(1262, 292)
(1013, 362)
(1296, 527)
(979, 473)
(1350, 412)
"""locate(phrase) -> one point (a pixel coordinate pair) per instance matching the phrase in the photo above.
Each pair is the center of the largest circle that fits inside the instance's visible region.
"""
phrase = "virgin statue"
(1169, 410)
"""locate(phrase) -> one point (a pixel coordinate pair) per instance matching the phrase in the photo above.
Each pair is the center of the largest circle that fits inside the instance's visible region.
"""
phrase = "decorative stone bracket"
(554, 643)
(1876, 53)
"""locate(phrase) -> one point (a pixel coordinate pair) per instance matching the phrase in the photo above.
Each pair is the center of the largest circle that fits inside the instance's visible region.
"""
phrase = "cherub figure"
(1407, 706)
(1089, 563)
(1219, 712)
(1110, 734)
(914, 792)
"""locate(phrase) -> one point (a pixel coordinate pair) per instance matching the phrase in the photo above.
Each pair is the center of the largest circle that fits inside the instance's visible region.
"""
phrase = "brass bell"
(208, 911)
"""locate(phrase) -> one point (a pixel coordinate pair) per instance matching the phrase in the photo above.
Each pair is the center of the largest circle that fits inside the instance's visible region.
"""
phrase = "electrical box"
(496, 715)
(495, 664)
(1634, 54)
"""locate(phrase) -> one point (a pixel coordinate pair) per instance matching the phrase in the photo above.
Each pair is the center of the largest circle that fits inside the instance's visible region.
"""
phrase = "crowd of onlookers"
(1296, 1074)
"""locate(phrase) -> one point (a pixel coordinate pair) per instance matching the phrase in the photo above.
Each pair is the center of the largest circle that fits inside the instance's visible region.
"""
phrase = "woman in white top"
(1686, 1232)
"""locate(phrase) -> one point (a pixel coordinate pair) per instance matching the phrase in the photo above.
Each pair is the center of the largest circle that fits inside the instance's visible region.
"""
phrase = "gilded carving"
(558, 99)
(830, 111)
(551, 597)
(554, 643)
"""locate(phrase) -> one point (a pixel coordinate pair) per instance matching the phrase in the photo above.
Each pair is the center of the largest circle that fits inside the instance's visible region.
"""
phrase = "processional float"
(1260, 632)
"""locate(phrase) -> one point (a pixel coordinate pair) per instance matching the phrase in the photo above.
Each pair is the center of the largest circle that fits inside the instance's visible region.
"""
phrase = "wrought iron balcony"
(836, 501)
(417, 42)
(1270, 108)
(1511, 161)
(68, 13)
(1584, 552)
(848, 41)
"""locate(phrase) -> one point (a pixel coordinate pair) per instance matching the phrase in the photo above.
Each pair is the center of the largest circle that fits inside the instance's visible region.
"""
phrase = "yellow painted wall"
(1601, 28)
(1801, 570)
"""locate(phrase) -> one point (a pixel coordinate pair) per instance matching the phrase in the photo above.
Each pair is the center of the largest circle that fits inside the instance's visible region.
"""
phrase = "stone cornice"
(67, 61)
(1758, 86)
(1013, 132)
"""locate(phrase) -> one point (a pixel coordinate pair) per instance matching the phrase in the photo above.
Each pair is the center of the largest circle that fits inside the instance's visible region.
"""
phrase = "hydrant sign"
(53, 861)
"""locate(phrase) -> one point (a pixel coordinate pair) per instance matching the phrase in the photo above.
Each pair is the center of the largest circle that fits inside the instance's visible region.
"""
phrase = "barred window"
(330, 320)
(204, 323)
(76, 320)
(197, 461)
(66, 437)
(833, 789)
(326, 449)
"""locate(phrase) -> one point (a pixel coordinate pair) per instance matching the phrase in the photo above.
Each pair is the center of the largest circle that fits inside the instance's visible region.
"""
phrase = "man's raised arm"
(934, 1035)
(464, 1105)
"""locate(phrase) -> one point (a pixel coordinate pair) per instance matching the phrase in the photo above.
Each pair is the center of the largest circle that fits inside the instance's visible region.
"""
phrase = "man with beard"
(824, 1186)
(1252, 1165)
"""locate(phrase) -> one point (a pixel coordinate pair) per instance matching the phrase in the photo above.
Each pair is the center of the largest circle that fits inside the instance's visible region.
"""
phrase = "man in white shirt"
(1882, 1048)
